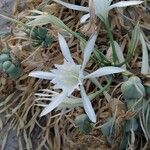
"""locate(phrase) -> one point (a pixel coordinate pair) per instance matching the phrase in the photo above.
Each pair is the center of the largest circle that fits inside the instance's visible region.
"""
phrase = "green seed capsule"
(6, 65)
(4, 57)
(11, 69)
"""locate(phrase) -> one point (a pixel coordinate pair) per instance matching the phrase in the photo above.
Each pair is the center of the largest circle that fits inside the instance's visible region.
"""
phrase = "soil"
(6, 8)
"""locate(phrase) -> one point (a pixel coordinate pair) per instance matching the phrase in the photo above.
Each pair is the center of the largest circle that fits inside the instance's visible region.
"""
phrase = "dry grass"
(57, 130)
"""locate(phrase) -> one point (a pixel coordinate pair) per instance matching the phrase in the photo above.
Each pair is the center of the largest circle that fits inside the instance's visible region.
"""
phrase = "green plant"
(136, 96)
(84, 123)
(39, 36)
(8, 66)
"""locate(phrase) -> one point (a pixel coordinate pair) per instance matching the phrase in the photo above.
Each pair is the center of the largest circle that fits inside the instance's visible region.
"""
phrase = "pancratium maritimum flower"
(101, 7)
(70, 77)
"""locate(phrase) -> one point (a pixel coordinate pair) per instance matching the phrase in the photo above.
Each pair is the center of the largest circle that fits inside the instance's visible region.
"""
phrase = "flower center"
(67, 76)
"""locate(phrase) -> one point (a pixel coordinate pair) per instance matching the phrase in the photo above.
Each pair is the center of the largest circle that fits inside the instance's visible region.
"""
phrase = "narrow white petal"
(84, 18)
(72, 6)
(40, 105)
(87, 105)
(42, 75)
(125, 4)
(43, 95)
(89, 49)
(43, 99)
(65, 49)
(104, 71)
(55, 102)
(36, 11)
(48, 91)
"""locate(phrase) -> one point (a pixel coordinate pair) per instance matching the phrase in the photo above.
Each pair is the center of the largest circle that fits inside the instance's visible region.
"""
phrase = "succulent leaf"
(84, 124)
(15, 74)
(4, 57)
(131, 124)
(6, 65)
(133, 89)
(9, 65)
(106, 128)
(11, 69)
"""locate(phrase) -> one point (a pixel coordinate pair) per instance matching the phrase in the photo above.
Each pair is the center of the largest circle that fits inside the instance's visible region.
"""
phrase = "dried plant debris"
(104, 112)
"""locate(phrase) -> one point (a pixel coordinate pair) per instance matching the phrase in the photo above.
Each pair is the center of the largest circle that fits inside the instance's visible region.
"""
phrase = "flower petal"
(72, 6)
(104, 71)
(42, 75)
(65, 49)
(87, 105)
(84, 18)
(89, 49)
(125, 4)
(55, 102)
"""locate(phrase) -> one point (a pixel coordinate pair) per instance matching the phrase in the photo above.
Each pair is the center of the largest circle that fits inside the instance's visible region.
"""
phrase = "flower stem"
(98, 57)
(108, 28)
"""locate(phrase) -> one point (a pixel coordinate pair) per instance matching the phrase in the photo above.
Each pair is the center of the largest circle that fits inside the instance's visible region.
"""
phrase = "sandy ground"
(6, 7)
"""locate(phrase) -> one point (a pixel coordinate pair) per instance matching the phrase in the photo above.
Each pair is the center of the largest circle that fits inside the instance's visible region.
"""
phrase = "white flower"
(102, 7)
(45, 95)
(70, 77)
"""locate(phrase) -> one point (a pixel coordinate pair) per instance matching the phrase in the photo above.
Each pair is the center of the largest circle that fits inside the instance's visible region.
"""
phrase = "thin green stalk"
(108, 28)
(97, 56)
(78, 102)
(132, 45)
(14, 20)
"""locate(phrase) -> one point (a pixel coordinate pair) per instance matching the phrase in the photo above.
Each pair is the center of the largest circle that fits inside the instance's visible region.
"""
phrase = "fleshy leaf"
(119, 54)
(84, 124)
(39, 20)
